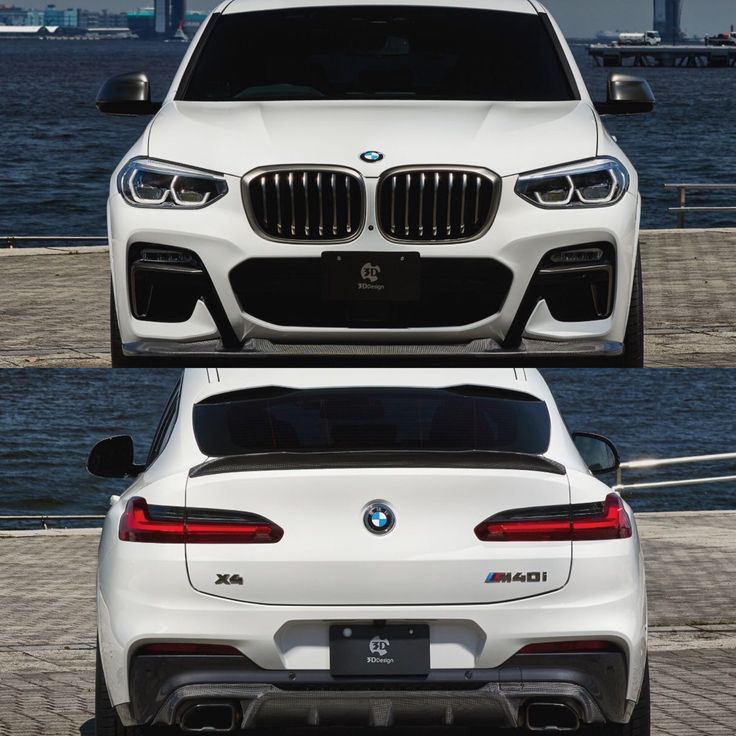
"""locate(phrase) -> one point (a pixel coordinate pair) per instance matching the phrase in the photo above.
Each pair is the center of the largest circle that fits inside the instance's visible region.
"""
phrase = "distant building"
(167, 15)
(94, 19)
(141, 22)
(193, 19)
(668, 19)
(10, 15)
(68, 18)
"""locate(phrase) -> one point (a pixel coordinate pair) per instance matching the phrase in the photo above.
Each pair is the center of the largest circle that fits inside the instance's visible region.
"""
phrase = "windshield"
(460, 419)
(379, 52)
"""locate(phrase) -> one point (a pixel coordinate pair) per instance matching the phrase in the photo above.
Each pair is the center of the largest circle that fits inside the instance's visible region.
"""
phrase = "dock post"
(683, 202)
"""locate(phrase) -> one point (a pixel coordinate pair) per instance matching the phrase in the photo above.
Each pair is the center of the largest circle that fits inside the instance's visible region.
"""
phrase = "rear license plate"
(366, 277)
(395, 649)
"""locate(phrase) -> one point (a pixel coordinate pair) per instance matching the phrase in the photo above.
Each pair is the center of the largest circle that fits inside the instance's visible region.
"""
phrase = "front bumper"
(164, 688)
(520, 323)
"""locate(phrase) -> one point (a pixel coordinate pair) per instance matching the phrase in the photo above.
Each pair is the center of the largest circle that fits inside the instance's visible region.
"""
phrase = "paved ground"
(55, 307)
(47, 630)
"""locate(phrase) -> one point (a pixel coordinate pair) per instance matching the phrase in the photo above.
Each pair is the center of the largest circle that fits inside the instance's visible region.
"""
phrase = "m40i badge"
(516, 577)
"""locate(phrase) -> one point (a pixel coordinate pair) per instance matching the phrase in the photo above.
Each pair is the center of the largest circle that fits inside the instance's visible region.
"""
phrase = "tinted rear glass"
(379, 52)
(345, 420)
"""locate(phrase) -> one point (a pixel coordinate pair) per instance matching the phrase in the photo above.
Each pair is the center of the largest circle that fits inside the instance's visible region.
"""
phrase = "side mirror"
(127, 94)
(113, 458)
(599, 453)
(627, 95)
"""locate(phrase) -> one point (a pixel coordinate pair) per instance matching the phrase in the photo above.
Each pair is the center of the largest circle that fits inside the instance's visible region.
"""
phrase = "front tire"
(640, 723)
(634, 339)
(107, 722)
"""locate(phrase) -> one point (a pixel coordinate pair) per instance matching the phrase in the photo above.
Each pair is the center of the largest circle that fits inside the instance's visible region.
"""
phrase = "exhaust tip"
(551, 717)
(210, 718)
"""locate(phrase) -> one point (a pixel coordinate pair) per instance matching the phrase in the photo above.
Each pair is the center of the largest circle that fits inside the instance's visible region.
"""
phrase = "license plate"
(371, 277)
(395, 649)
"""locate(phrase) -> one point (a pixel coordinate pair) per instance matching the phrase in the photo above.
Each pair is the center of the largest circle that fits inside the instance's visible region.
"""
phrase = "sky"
(578, 18)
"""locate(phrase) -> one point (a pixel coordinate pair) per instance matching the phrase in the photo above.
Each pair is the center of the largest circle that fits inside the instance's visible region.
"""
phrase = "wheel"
(640, 723)
(117, 357)
(634, 339)
(107, 722)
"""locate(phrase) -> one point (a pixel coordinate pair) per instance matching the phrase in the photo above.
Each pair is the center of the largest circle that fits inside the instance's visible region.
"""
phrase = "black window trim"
(186, 78)
(168, 419)
(564, 63)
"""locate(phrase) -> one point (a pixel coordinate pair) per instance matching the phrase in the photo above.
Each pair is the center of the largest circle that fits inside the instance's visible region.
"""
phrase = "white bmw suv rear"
(368, 173)
(368, 548)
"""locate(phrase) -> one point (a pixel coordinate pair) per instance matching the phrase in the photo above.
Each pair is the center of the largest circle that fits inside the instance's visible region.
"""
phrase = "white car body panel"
(506, 137)
(405, 564)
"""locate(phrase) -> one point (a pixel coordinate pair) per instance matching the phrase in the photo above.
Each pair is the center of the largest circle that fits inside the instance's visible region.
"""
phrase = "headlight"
(147, 183)
(597, 183)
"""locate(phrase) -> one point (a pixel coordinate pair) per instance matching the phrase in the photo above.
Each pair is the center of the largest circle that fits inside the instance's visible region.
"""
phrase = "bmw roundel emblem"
(371, 156)
(378, 518)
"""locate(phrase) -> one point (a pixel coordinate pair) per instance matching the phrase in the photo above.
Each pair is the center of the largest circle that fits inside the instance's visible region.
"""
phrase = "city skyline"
(578, 18)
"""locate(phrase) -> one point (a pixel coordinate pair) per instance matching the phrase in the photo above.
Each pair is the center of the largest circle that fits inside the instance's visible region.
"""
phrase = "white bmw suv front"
(339, 173)
(368, 547)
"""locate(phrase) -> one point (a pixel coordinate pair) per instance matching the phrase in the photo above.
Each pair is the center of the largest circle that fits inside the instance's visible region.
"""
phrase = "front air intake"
(305, 203)
(438, 204)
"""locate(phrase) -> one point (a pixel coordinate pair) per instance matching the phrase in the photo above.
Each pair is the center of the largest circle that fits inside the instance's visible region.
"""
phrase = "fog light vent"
(579, 255)
(153, 255)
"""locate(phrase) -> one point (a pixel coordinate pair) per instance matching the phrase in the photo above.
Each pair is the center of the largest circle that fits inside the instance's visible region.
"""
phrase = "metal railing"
(683, 208)
(43, 519)
(9, 241)
(622, 487)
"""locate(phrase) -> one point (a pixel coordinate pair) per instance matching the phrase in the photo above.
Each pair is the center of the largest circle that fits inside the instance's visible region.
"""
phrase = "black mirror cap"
(113, 458)
(627, 95)
(598, 452)
(127, 94)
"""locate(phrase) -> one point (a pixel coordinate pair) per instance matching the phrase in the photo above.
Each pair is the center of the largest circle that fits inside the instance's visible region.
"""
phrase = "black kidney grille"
(435, 204)
(299, 204)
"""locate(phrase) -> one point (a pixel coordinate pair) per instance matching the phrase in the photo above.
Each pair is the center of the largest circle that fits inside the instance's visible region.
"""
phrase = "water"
(58, 151)
(49, 420)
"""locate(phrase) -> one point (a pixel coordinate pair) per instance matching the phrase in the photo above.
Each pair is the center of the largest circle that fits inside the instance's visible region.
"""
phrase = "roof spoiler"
(376, 459)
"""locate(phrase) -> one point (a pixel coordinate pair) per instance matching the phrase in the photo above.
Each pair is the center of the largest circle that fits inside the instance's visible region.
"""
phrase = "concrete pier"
(47, 636)
(54, 304)
(690, 55)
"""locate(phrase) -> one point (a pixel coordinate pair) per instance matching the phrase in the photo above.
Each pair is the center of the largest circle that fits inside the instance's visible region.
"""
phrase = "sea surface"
(58, 151)
(49, 420)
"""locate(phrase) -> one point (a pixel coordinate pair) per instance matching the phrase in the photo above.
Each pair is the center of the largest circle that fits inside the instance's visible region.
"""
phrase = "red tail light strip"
(215, 650)
(554, 647)
(166, 525)
(573, 523)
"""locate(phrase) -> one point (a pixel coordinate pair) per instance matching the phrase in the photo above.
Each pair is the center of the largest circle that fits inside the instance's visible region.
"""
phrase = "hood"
(506, 137)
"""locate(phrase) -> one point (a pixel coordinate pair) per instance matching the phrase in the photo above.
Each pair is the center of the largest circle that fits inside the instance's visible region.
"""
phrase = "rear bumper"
(163, 689)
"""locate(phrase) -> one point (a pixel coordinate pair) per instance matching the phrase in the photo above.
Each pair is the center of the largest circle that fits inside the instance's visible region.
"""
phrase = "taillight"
(213, 650)
(554, 647)
(608, 520)
(171, 525)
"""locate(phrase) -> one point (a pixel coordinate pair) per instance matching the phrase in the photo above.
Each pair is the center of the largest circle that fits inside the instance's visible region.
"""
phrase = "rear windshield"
(379, 52)
(365, 419)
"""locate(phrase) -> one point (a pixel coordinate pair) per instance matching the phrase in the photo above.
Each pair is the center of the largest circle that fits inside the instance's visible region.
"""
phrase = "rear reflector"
(172, 525)
(554, 647)
(214, 650)
(559, 524)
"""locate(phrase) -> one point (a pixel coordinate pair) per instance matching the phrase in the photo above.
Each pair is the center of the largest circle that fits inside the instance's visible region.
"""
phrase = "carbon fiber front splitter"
(477, 352)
